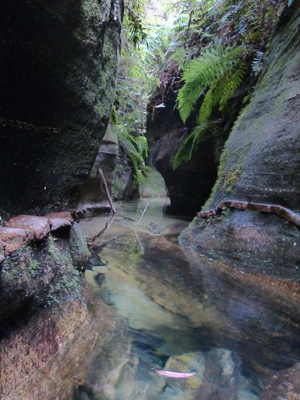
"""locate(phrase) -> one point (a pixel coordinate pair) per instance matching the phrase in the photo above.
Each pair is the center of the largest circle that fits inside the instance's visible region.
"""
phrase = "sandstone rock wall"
(42, 292)
(188, 186)
(58, 67)
(261, 164)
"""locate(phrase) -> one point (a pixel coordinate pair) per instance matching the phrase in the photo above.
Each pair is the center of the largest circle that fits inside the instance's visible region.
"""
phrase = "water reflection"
(184, 313)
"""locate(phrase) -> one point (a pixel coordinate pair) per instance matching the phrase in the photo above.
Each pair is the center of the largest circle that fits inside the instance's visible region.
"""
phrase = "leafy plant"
(224, 37)
(186, 149)
(216, 75)
(138, 78)
(222, 70)
(135, 26)
(135, 148)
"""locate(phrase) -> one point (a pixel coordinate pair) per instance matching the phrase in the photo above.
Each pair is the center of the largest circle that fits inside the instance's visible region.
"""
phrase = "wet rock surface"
(189, 313)
(190, 184)
(38, 225)
(59, 64)
(67, 340)
(260, 163)
(24, 229)
(284, 385)
(42, 293)
(13, 238)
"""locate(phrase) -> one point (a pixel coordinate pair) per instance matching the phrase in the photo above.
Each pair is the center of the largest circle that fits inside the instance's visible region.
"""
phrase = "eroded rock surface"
(59, 62)
(190, 184)
(40, 262)
(38, 225)
(261, 164)
(284, 385)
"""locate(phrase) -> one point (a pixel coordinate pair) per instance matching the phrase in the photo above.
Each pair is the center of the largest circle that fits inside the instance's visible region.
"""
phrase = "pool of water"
(182, 312)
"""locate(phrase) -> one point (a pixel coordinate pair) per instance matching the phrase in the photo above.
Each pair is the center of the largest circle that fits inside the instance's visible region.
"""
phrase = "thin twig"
(108, 223)
(123, 216)
(135, 231)
(139, 241)
(142, 215)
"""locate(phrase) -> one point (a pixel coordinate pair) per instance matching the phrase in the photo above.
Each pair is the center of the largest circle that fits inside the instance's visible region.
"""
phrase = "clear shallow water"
(181, 313)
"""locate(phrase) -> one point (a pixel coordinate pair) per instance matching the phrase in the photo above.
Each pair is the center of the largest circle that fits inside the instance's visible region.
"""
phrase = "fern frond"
(207, 106)
(187, 97)
(186, 149)
(142, 145)
(182, 55)
(210, 100)
(232, 84)
(202, 72)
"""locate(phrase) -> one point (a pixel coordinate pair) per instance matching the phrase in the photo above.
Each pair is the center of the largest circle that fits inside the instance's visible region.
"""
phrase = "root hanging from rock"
(286, 213)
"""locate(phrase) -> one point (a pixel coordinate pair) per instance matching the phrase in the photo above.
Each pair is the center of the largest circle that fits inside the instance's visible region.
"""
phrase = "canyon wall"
(59, 62)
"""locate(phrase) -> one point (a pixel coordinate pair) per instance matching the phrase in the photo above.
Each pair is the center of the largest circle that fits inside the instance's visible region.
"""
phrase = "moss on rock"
(261, 163)
(58, 79)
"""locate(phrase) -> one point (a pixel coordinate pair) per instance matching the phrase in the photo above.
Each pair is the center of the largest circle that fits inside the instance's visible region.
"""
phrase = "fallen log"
(284, 212)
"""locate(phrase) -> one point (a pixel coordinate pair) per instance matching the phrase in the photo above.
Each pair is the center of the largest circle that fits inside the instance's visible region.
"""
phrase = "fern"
(205, 71)
(216, 76)
(135, 149)
(182, 56)
(214, 63)
(186, 149)
(210, 101)
(232, 83)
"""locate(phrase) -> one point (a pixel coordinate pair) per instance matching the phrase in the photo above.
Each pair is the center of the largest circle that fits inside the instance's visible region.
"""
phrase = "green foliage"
(182, 55)
(186, 149)
(222, 70)
(218, 41)
(134, 24)
(135, 148)
(216, 75)
(138, 78)
(214, 42)
(114, 116)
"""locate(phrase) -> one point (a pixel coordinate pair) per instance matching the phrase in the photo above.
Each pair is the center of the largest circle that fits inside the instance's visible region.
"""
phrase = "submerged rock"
(284, 385)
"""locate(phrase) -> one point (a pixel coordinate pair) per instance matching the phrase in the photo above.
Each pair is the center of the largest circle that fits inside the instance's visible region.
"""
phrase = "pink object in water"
(173, 374)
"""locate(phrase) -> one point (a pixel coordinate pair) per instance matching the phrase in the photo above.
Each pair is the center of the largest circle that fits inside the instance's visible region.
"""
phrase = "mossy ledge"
(43, 293)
